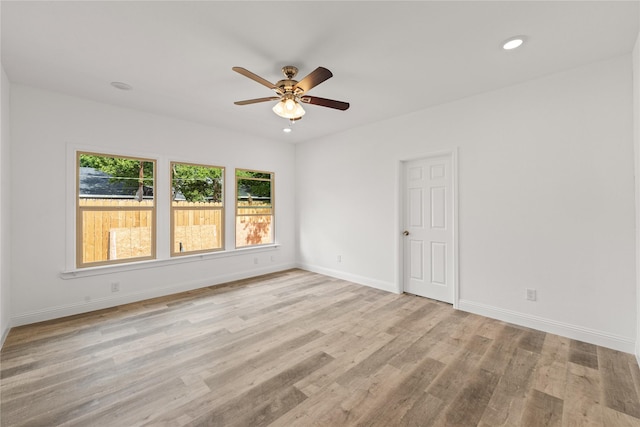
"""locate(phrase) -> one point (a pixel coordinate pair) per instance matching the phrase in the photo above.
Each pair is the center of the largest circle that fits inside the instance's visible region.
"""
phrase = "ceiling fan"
(290, 93)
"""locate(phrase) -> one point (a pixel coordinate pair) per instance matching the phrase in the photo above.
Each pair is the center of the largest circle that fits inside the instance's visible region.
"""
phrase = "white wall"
(546, 201)
(44, 127)
(5, 227)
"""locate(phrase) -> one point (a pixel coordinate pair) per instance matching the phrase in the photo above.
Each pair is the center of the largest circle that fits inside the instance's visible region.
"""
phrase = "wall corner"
(636, 148)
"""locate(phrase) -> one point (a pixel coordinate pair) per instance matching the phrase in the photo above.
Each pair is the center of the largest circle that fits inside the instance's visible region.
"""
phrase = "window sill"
(140, 265)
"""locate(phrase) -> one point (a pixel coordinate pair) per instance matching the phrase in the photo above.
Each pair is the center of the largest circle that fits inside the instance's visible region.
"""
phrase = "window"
(115, 209)
(254, 208)
(197, 208)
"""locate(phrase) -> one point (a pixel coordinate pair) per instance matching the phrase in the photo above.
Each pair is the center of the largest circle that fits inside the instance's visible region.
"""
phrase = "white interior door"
(428, 255)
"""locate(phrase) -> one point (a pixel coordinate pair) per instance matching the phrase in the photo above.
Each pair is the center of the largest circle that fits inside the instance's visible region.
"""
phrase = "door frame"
(400, 173)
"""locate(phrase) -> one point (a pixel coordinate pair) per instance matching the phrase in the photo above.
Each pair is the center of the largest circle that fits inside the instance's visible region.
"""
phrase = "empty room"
(320, 213)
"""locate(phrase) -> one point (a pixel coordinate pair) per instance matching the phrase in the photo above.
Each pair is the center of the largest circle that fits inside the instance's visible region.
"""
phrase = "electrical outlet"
(531, 294)
(273, 258)
(339, 258)
(115, 286)
(255, 260)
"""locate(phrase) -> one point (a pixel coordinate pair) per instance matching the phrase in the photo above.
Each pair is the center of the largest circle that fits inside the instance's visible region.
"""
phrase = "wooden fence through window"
(115, 229)
(197, 226)
(122, 228)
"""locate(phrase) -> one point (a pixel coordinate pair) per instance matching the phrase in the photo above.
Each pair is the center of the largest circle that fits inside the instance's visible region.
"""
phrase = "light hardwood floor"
(300, 349)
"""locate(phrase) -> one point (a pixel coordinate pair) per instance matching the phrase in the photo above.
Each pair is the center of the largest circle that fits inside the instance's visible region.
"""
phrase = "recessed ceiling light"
(513, 42)
(121, 86)
(287, 130)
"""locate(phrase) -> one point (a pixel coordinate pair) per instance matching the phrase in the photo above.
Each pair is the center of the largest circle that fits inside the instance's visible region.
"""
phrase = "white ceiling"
(388, 57)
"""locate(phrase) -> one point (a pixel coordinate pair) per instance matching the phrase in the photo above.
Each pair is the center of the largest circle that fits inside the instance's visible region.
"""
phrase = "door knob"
(406, 233)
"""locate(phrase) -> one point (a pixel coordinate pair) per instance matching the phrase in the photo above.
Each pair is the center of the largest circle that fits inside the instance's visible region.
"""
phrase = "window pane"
(197, 208)
(254, 208)
(116, 211)
(113, 178)
(253, 192)
(254, 230)
(196, 229)
(195, 183)
(109, 235)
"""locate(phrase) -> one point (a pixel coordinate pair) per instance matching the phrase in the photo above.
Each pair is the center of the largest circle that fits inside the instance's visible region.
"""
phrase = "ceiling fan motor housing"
(288, 85)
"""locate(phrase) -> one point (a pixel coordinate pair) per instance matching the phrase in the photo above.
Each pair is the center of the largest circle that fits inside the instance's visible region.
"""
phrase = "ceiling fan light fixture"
(289, 105)
(289, 109)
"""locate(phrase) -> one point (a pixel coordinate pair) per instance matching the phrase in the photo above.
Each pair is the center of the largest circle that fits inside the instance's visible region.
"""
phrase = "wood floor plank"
(615, 418)
(581, 405)
(371, 393)
(233, 370)
(424, 411)
(542, 410)
(508, 400)
(617, 382)
(427, 345)
(403, 397)
(269, 392)
(551, 371)
(353, 351)
(469, 405)
(375, 361)
(296, 348)
(532, 341)
(453, 378)
(504, 345)
(635, 372)
(584, 354)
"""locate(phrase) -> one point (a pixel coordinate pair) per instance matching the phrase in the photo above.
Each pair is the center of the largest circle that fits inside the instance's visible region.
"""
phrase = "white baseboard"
(113, 301)
(361, 280)
(551, 326)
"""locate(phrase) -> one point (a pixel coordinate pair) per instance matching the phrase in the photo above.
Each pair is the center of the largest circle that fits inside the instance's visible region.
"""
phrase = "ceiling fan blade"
(254, 77)
(314, 78)
(255, 101)
(324, 102)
